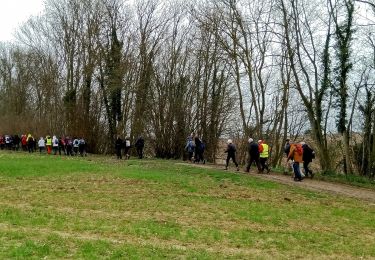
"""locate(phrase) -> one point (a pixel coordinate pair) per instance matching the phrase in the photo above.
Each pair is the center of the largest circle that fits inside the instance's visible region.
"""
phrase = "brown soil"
(310, 184)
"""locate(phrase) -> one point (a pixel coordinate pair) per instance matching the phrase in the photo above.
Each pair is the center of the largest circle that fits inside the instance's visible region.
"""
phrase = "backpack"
(56, 141)
(287, 149)
(190, 146)
(308, 152)
(299, 149)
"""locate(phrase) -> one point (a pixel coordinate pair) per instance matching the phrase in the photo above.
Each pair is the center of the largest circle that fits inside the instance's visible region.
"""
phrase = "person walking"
(127, 146)
(296, 154)
(55, 144)
(8, 142)
(287, 166)
(231, 154)
(139, 145)
(263, 154)
(75, 146)
(30, 143)
(190, 147)
(253, 155)
(82, 147)
(198, 152)
(16, 142)
(69, 146)
(308, 155)
(41, 145)
(62, 145)
(118, 147)
(203, 148)
(49, 144)
(2, 142)
(24, 142)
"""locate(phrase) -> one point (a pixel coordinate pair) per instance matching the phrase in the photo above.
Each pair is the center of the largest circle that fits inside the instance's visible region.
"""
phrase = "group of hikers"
(297, 153)
(258, 151)
(50, 145)
(126, 145)
(258, 154)
(195, 148)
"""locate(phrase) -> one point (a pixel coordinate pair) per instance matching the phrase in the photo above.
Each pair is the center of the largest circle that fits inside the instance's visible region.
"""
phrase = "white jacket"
(55, 141)
(41, 143)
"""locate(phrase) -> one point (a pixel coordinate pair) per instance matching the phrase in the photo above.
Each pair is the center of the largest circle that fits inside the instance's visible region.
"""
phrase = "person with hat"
(253, 151)
(231, 154)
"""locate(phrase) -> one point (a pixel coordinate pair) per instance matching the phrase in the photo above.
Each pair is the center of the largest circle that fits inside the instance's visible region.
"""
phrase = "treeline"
(267, 69)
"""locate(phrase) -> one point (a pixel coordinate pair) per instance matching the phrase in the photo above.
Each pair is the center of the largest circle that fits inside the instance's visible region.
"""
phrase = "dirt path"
(311, 184)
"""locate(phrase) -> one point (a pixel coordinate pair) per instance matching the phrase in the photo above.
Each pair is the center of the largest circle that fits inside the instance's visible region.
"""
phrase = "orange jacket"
(296, 153)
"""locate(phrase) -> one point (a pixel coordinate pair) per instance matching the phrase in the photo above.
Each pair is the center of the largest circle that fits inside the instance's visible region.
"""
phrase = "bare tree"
(304, 61)
(343, 33)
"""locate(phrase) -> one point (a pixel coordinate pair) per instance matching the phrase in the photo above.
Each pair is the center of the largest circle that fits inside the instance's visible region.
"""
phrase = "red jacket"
(23, 140)
(260, 147)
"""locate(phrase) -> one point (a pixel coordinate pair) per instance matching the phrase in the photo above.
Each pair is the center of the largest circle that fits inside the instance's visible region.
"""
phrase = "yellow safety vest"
(264, 154)
(49, 141)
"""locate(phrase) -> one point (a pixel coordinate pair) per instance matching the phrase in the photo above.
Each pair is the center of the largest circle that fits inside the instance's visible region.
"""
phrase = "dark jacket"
(253, 150)
(140, 143)
(118, 143)
(231, 149)
(308, 153)
(198, 145)
(16, 140)
(287, 148)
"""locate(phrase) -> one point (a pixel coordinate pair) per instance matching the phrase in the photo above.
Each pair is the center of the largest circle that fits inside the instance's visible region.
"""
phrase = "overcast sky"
(14, 12)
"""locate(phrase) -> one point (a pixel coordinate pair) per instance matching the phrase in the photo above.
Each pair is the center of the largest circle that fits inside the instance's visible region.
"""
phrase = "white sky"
(15, 12)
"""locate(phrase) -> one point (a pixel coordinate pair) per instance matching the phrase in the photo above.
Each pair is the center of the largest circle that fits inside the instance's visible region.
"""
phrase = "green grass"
(97, 207)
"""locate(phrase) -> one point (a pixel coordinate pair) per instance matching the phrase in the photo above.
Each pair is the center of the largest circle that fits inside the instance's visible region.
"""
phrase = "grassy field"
(99, 208)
